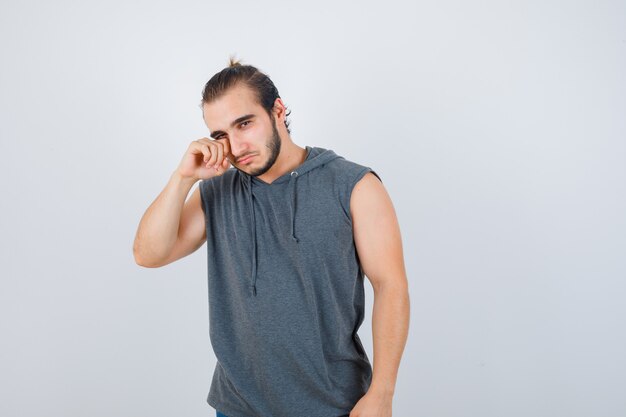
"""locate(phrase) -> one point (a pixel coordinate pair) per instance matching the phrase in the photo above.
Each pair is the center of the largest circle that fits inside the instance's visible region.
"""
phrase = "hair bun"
(233, 62)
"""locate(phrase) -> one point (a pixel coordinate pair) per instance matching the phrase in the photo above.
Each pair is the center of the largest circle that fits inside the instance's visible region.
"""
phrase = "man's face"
(249, 130)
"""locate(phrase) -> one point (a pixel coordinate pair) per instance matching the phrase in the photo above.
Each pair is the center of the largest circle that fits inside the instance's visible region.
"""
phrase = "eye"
(243, 123)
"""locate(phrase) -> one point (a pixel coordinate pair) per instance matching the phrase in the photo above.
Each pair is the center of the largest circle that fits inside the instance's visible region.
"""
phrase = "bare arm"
(379, 245)
(170, 228)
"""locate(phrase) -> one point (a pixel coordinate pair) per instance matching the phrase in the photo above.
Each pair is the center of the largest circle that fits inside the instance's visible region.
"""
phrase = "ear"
(278, 109)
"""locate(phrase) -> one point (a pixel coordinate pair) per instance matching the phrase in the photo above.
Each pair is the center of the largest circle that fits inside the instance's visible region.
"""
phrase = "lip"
(245, 160)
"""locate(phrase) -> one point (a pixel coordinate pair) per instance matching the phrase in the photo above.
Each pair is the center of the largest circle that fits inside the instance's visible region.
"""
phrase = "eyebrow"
(238, 120)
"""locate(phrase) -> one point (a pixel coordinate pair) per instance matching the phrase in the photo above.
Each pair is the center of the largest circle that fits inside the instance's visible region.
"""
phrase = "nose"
(238, 148)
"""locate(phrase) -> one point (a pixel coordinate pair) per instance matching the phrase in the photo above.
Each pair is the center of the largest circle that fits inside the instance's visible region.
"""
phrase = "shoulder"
(370, 201)
(347, 177)
(350, 172)
(368, 185)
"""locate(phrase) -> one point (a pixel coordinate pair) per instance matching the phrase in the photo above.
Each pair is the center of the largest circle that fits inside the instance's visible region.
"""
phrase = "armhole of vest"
(353, 183)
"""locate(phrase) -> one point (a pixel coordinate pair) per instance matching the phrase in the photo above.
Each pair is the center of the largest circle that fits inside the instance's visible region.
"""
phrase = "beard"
(273, 145)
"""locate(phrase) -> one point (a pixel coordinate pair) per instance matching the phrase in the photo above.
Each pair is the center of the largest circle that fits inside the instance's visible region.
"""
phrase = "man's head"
(240, 104)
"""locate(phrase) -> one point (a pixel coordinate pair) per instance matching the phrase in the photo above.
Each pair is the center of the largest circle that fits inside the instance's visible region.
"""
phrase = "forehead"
(236, 102)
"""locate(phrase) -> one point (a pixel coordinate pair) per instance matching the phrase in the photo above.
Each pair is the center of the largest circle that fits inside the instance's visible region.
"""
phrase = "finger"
(213, 159)
(227, 148)
(226, 144)
(205, 152)
(203, 141)
(219, 156)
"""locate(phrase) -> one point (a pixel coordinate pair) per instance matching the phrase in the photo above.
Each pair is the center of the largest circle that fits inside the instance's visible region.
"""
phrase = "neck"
(290, 157)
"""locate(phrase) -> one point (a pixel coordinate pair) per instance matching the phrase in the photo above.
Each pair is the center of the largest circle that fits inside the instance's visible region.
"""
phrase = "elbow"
(142, 260)
(146, 264)
(138, 259)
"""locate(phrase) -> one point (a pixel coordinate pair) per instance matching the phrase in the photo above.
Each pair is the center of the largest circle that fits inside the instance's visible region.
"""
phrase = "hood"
(316, 157)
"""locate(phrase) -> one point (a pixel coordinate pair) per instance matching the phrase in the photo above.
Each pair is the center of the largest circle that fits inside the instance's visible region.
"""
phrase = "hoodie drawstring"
(292, 191)
(253, 226)
(321, 157)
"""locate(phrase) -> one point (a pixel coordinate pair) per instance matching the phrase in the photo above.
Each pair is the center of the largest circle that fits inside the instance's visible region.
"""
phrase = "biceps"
(376, 232)
(191, 230)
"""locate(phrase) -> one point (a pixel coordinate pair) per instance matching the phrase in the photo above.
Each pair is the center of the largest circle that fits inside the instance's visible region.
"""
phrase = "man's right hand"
(205, 158)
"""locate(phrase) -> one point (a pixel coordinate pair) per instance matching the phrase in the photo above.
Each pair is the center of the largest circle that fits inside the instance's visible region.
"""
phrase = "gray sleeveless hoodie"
(286, 294)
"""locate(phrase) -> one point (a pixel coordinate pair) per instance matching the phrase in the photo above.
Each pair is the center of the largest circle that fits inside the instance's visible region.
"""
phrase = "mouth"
(245, 160)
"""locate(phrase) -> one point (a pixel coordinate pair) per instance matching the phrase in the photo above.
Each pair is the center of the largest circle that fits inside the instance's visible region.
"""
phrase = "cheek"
(251, 133)
(258, 135)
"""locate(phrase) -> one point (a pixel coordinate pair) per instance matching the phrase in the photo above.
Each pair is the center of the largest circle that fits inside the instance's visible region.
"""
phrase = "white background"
(498, 128)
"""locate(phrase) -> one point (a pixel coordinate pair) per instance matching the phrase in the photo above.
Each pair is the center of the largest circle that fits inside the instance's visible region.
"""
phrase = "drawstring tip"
(254, 290)
(295, 239)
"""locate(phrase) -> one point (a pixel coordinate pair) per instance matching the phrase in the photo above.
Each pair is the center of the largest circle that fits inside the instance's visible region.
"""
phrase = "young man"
(290, 231)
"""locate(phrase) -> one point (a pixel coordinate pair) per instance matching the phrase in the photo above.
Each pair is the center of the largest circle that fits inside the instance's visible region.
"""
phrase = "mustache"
(242, 157)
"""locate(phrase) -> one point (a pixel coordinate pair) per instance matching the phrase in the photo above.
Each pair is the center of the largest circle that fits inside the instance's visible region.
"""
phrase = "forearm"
(158, 228)
(390, 325)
